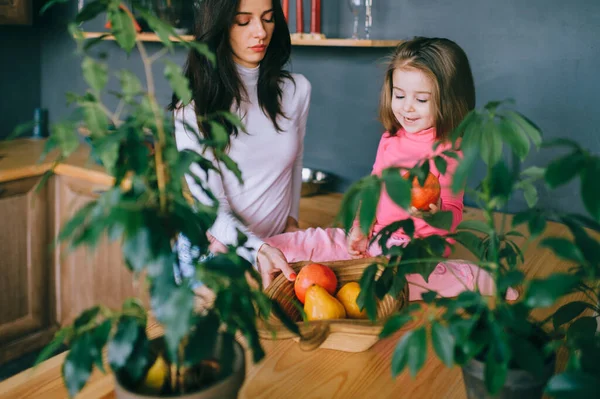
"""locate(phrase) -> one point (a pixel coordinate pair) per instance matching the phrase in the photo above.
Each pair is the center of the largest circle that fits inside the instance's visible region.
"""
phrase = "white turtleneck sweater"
(270, 161)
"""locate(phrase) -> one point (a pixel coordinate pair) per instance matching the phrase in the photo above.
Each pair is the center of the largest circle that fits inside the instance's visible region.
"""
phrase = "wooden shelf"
(151, 37)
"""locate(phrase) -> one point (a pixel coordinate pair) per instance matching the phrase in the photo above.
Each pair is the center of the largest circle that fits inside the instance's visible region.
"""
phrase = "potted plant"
(146, 208)
(503, 350)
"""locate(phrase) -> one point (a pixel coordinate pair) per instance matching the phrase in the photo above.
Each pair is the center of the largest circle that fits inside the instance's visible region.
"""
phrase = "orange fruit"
(317, 274)
(422, 196)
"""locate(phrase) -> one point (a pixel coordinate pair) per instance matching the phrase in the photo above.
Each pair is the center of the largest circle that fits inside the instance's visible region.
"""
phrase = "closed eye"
(399, 97)
(422, 101)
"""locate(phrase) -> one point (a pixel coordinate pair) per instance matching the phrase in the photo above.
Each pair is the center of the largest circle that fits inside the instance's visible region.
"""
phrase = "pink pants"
(322, 245)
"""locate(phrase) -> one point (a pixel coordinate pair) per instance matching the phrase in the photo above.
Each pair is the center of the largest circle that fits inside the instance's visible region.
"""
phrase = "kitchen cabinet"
(44, 284)
(25, 296)
(16, 12)
(86, 277)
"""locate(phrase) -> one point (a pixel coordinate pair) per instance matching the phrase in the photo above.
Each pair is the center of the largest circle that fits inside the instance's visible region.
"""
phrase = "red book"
(286, 9)
(299, 17)
(315, 16)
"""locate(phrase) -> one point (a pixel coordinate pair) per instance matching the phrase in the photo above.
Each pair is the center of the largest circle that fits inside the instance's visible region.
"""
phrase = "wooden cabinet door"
(15, 12)
(24, 253)
(86, 277)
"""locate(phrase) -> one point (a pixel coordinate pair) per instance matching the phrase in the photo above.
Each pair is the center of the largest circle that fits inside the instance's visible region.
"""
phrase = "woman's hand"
(215, 246)
(291, 225)
(271, 261)
(433, 208)
(357, 243)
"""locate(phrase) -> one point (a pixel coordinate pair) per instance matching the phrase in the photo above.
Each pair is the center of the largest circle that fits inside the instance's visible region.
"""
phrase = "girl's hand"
(291, 225)
(433, 208)
(271, 262)
(357, 243)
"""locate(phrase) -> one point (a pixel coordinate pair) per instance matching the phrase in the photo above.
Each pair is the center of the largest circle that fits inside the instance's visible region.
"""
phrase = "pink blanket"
(322, 245)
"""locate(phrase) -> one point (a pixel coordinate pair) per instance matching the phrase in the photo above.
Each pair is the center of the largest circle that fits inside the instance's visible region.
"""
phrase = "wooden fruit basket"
(348, 335)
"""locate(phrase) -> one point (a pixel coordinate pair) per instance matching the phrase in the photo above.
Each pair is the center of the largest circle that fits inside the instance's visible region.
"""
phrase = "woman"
(252, 44)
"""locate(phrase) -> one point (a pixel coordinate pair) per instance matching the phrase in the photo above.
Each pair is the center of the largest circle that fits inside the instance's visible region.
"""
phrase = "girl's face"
(412, 99)
(251, 31)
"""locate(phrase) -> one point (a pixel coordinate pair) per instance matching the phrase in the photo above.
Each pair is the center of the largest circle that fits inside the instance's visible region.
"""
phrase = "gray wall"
(542, 53)
(20, 76)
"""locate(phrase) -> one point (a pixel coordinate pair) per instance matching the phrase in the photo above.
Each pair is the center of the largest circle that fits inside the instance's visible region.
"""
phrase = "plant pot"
(225, 388)
(519, 384)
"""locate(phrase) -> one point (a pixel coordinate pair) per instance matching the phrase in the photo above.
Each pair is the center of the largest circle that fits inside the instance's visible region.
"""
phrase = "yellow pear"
(347, 295)
(319, 305)
(156, 376)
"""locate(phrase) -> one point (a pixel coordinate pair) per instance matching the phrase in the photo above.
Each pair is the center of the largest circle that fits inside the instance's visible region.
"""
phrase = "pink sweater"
(406, 150)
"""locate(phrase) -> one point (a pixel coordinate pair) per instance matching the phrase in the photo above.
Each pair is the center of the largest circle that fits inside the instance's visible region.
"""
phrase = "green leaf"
(582, 331)
(50, 349)
(544, 292)
(464, 169)
(202, 339)
(537, 224)
(366, 297)
(568, 312)
(400, 356)
(563, 248)
(417, 350)
(515, 137)
(562, 170)
(203, 50)
(510, 279)
(172, 307)
(100, 337)
(21, 129)
(491, 144)
(130, 84)
(530, 193)
(78, 364)
(443, 343)
(530, 129)
(163, 30)
(398, 188)
(94, 73)
(527, 356)
(95, 119)
(534, 172)
(440, 164)
(369, 200)
(470, 241)
(87, 316)
(90, 10)
(573, 385)
(65, 136)
(121, 345)
(122, 28)
(394, 323)
(429, 296)
(501, 181)
(180, 84)
(51, 3)
(476, 225)
(590, 189)
(441, 220)
(496, 369)
(284, 317)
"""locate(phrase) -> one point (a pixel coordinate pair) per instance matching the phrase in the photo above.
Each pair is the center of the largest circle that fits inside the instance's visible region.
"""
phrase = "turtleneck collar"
(248, 75)
(427, 135)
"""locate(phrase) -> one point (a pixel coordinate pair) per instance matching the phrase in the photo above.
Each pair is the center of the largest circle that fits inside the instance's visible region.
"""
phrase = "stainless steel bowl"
(313, 181)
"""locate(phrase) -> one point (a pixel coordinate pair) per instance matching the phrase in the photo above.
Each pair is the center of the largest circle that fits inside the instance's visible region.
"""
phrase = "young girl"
(428, 90)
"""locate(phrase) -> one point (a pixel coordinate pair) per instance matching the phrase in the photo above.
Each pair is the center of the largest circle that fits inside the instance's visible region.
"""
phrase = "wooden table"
(287, 372)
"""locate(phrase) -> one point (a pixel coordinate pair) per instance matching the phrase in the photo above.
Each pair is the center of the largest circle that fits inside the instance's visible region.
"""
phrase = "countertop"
(288, 372)
(21, 159)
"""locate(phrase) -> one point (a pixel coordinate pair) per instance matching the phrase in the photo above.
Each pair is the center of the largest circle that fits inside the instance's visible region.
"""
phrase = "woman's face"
(251, 31)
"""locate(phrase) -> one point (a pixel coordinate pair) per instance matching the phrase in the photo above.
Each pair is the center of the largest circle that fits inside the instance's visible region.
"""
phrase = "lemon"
(157, 375)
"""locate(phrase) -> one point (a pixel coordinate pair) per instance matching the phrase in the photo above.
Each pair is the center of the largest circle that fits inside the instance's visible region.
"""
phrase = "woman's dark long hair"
(217, 89)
